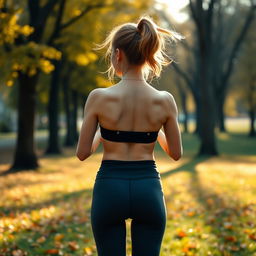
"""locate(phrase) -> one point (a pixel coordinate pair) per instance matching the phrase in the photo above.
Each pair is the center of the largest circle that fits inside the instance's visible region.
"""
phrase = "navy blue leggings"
(128, 190)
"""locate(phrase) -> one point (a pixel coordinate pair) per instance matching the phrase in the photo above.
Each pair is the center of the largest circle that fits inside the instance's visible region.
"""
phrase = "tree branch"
(58, 20)
(238, 44)
(38, 17)
(183, 74)
(76, 18)
(193, 12)
(209, 18)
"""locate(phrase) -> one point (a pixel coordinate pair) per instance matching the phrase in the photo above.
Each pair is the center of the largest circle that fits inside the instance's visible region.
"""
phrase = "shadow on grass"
(223, 217)
(56, 198)
(187, 167)
(72, 222)
(219, 213)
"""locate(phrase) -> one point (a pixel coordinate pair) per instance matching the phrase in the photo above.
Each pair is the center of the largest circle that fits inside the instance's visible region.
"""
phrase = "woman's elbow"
(176, 155)
(82, 156)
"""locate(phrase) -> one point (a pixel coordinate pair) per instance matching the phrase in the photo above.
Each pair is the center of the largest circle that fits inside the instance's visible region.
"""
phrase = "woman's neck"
(133, 74)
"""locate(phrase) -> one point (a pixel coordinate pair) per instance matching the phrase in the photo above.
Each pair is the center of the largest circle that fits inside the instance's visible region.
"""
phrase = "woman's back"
(131, 106)
(130, 114)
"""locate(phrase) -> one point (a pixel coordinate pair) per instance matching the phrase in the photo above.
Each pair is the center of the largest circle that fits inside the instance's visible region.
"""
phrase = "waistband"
(122, 169)
(128, 163)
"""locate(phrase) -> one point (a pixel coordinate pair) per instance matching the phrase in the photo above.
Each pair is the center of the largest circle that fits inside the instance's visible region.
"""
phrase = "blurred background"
(47, 69)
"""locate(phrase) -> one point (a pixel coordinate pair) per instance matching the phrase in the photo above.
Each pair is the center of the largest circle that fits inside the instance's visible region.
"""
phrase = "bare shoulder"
(97, 92)
(94, 97)
(169, 101)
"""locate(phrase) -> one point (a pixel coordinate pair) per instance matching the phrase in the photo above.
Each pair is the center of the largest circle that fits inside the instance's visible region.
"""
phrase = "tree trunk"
(53, 111)
(208, 144)
(74, 115)
(221, 115)
(197, 117)
(207, 111)
(185, 110)
(252, 132)
(25, 156)
(67, 106)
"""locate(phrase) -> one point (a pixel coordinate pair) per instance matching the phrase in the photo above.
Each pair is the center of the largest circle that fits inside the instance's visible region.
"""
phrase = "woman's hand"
(96, 141)
(162, 141)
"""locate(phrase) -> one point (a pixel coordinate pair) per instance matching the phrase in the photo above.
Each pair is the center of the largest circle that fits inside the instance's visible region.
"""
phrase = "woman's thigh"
(108, 213)
(148, 216)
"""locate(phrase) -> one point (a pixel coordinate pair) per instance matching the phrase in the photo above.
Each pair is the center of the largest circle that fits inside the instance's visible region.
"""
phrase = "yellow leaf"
(88, 251)
(9, 83)
(27, 30)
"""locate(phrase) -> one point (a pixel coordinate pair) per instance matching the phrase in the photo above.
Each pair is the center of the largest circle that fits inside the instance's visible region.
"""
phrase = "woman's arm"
(162, 141)
(89, 125)
(170, 139)
(96, 141)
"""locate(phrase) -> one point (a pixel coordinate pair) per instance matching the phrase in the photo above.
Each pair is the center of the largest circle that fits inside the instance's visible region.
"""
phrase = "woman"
(130, 115)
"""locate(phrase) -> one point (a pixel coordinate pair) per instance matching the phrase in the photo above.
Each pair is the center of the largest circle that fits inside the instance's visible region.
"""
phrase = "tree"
(79, 50)
(34, 49)
(246, 78)
(213, 64)
(25, 57)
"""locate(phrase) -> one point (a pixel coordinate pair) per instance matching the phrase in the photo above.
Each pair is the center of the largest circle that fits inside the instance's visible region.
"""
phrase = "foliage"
(17, 56)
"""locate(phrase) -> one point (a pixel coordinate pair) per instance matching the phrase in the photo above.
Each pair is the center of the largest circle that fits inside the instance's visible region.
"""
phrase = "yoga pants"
(128, 190)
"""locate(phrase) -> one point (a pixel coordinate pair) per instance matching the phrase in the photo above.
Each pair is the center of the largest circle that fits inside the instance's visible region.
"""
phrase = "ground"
(211, 202)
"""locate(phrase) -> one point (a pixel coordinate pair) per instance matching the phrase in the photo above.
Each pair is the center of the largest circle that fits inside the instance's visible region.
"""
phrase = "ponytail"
(143, 44)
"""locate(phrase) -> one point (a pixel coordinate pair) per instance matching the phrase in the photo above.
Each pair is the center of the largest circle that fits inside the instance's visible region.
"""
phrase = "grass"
(211, 203)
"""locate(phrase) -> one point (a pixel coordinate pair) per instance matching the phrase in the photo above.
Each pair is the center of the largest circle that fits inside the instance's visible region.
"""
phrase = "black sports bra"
(128, 136)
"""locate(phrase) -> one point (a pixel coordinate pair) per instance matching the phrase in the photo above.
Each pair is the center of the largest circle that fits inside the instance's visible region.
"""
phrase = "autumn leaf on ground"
(52, 251)
(253, 236)
(73, 245)
(18, 253)
(231, 238)
(58, 237)
(234, 248)
(181, 234)
(191, 213)
(41, 239)
(88, 251)
(228, 225)
(189, 247)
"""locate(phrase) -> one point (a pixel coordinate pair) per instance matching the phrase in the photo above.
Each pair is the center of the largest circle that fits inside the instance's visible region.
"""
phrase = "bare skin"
(130, 105)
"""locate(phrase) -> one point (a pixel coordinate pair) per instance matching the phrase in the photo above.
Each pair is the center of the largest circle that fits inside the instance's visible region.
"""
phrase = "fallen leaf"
(73, 245)
(234, 248)
(58, 237)
(253, 236)
(230, 238)
(52, 251)
(41, 239)
(88, 251)
(18, 253)
(181, 233)
(228, 225)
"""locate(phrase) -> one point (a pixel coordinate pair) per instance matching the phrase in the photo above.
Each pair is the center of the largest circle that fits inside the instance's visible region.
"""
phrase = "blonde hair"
(143, 44)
